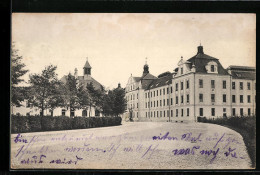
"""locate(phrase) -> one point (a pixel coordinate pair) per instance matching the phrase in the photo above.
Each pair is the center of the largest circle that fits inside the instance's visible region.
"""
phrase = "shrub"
(35, 123)
(62, 123)
(48, 123)
(23, 124)
(78, 123)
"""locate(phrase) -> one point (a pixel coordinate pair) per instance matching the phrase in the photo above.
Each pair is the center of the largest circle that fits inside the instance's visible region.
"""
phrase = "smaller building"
(28, 109)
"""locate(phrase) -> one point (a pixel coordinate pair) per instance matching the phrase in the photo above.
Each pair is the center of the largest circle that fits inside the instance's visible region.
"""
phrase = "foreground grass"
(250, 142)
(245, 126)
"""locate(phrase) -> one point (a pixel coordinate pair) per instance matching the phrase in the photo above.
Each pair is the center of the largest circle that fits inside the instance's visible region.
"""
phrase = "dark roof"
(87, 65)
(148, 76)
(201, 60)
(162, 81)
(95, 83)
(248, 75)
(137, 78)
(241, 68)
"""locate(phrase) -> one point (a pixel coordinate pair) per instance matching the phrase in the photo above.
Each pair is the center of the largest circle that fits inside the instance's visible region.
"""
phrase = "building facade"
(28, 109)
(198, 87)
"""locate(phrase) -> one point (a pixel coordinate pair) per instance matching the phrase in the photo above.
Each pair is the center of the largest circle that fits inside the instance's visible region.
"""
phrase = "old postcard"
(133, 91)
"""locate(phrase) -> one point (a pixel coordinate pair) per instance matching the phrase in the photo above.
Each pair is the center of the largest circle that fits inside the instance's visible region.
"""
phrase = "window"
(248, 99)
(212, 84)
(160, 102)
(224, 98)
(72, 113)
(241, 112)
(176, 112)
(200, 83)
(171, 113)
(176, 101)
(182, 99)
(145, 95)
(201, 111)
(154, 114)
(248, 111)
(84, 113)
(182, 112)
(146, 105)
(212, 97)
(188, 98)
(154, 93)
(167, 90)
(171, 89)
(233, 85)
(224, 84)
(234, 111)
(137, 105)
(163, 102)
(137, 114)
(157, 92)
(167, 102)
(137, 96)
(181, 71)
(187, 84)
(171, 101)
(153, 103)
(151, 94)
(157, 113)
(201, 97)
(241, 85)
(248, 86)
(233, 98)
(212, 68)
(157, 103)
(224, 112)
(63, 111)
(176, 87)
(160, 91)
(160, 113)
(212, 111)
(181, 85)
(163, 91)
(188, 112)
(168, 113)
(241, 99)
(151, 114)
(163, 113)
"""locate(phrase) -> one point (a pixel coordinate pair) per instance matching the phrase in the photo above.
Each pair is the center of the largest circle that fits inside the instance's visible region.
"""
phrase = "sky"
(116, 44)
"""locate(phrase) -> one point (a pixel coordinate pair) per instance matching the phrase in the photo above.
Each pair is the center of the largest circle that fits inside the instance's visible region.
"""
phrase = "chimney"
(200, 49)
(119, 85)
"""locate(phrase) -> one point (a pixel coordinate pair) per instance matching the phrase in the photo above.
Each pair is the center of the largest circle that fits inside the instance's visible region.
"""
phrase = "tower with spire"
(87, 70)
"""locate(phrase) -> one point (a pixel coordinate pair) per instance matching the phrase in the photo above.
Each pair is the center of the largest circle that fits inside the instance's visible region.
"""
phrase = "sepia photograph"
(138, 91)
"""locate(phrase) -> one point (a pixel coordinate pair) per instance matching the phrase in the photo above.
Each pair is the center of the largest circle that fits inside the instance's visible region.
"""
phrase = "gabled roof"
(96, 84)
(148, 76)
(137, 78)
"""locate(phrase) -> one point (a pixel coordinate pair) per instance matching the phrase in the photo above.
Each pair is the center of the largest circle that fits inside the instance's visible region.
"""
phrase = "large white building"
(199, 86)
(28, 109)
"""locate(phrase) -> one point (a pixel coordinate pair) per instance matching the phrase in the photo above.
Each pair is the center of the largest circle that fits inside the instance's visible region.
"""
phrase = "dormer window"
(212, 68)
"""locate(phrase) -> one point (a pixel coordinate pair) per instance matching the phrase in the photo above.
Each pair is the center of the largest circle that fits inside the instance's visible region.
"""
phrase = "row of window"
(168, 113)
(241, 85)
(167, 102)
(224, 98)
(224, 84)
(132, 97)
(224, 111)
(132, 106)
(167, 90)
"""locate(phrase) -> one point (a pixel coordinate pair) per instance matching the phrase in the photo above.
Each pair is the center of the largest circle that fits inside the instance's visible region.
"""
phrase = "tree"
(119, 105)
(44, 88)
(71, 99)
(83, 96)
(108, 104)
(92, 96)
(17, 71)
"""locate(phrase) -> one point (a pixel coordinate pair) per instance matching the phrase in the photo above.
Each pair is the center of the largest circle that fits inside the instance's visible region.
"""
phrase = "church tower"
(87, 70)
